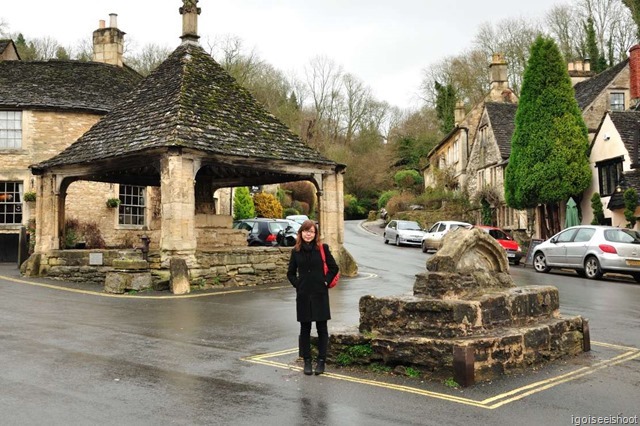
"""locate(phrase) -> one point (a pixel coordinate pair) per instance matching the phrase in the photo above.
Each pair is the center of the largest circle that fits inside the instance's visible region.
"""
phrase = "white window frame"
(11, 202)
(10, 129)
(614, 101)
(132, 210)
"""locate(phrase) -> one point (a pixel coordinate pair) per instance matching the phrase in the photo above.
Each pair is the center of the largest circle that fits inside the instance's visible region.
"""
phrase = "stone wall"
(243, 266)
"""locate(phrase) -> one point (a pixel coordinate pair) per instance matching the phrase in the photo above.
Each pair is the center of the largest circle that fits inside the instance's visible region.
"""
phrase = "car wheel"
(398, 241)
(540, 262)
(385, 238)
(592, 268)
(424, 247)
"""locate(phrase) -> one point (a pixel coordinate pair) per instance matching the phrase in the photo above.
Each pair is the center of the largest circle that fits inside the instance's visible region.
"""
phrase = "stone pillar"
(178, 236)
(331, 210)
(49, 214)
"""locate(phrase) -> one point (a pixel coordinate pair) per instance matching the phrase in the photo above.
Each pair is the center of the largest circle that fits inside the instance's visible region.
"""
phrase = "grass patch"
(354, 353)
(451, 383)
(412, 372)
(379, 368)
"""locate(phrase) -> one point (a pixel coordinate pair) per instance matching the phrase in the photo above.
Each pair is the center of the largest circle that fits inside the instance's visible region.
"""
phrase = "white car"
(433, 237)
(403, 232)
(300, 218)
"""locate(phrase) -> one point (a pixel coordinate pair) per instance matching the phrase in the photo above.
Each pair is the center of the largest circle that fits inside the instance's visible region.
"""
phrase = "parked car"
(591, 250)
(263, 231)
(403, 232)
(287, 237)
(514, 254)
(300, 218)
(433, 237)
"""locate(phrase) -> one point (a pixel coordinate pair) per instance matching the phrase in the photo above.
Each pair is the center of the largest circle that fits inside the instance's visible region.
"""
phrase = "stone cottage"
(44, 107)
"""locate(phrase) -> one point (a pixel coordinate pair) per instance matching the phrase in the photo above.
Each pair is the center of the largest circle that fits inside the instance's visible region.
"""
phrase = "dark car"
(263, 231)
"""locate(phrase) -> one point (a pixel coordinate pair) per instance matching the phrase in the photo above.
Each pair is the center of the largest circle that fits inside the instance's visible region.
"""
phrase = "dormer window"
(10, 129)
(616, 102)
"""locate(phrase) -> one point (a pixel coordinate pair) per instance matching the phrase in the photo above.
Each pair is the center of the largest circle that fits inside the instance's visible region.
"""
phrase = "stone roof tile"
(189, 101)
(502, 117)
(587, 91)
(66, 85)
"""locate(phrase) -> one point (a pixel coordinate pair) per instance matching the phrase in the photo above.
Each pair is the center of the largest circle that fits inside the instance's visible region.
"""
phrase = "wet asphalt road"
(72, 358)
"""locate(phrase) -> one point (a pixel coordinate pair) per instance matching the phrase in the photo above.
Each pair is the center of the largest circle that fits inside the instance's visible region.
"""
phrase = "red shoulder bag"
(333, 282)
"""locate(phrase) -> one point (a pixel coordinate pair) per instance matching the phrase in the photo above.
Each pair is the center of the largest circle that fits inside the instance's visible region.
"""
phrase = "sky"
(385, 43)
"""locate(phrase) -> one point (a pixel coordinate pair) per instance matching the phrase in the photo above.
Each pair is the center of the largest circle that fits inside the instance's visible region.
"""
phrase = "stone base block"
(119, 282)
(505, 351)
(434, 317)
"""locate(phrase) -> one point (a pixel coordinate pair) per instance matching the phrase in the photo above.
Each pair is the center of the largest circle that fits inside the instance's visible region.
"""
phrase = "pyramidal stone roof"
(189, 101)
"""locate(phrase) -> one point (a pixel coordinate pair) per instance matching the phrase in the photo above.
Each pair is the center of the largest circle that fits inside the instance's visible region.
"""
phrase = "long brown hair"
(307, 224)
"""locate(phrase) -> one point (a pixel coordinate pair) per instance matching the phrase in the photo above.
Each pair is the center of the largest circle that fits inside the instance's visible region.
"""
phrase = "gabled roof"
(5, 43)
(64, 85)
(502, 117)
(627, 124)
(587, 91)
(190, 102)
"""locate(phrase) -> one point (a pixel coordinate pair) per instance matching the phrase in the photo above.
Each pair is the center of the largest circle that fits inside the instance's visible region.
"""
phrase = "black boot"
(304, 350)
(323, 342)
(307, 367)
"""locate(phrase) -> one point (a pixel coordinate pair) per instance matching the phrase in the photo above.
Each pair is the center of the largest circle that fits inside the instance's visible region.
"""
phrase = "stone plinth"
(466, 319)
(128, 275)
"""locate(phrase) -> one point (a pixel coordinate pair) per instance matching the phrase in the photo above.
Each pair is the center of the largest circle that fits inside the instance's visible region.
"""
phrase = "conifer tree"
(549, 161)
(243, 204)
(445, 106)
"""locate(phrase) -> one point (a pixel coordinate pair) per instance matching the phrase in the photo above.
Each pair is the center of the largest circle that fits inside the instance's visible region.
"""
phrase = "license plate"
(633, 262)
(511, 255)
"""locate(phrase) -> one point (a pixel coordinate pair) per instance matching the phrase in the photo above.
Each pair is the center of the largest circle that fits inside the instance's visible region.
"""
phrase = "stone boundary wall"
(231, 267)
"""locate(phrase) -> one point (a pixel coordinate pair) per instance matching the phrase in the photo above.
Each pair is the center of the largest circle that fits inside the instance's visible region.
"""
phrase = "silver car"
(591, 250)
(403, 232)
(433, 237)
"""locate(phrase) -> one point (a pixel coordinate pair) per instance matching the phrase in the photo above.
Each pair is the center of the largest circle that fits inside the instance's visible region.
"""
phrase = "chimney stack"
(108, 43)
(634, 71)
(579, 70)
(459, 113)
(499, 80)
(189, 12)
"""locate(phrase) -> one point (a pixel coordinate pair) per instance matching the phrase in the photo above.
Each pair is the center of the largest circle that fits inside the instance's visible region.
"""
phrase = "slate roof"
(627, 123)
(64, 85)
(189, 101)
(631, 180)
(587, 91)
(502, 117)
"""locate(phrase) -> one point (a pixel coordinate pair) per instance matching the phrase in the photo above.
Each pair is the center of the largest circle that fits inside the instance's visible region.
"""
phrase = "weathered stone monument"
(466, 319)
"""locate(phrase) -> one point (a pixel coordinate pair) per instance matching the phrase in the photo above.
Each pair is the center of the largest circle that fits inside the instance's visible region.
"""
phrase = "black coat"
(306, 274)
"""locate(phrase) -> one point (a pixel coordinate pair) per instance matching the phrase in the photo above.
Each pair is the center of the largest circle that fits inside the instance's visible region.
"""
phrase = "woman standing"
(306, 274)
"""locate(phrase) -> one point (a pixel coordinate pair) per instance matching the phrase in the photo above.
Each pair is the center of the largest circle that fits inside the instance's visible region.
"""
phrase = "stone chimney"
(499, 81)
(579, 70)
(459, 113)
(189, 12)
(634, 71)
(108, 43)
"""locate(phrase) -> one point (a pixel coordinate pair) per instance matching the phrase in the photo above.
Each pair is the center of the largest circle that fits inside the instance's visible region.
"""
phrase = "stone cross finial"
(189, 12)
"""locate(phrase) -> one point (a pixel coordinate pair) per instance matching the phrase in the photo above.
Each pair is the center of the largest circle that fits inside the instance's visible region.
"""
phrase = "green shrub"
(385, 197)
(243, 207)
(352, 208)
(630, 206)
(597, 207)
(29, 196)
(290, 211)
(408, 179)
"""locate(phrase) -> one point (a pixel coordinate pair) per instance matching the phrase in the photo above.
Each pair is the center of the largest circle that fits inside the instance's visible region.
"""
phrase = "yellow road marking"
(488, 403)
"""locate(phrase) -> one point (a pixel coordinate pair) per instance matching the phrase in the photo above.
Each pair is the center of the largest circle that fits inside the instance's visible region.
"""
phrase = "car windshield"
(409, 226)
(622, 236)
